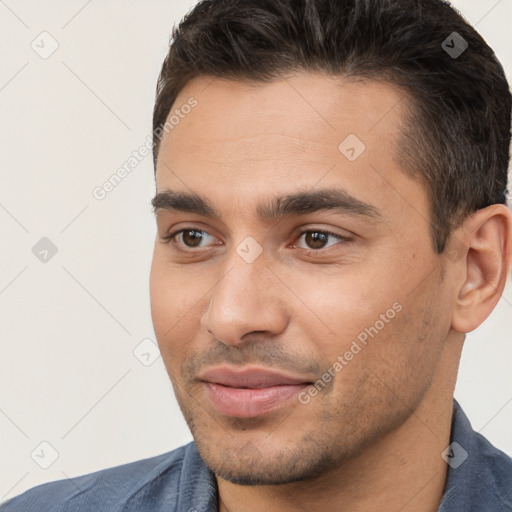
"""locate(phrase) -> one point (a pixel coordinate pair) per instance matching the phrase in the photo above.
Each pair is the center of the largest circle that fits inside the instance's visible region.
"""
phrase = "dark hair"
(457, 132)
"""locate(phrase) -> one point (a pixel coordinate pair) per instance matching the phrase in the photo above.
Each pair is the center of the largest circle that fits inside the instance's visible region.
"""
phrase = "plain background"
(69, 327)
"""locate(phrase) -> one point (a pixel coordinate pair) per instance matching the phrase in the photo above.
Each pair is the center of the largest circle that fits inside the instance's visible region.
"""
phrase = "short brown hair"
(457, 136)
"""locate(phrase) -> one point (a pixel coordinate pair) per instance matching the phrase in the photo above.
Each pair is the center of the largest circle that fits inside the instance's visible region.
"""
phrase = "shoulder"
(148, 484)
(493, 484)
(480, 476)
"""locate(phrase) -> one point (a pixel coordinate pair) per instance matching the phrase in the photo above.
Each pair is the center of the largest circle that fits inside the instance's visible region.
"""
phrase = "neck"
(402, 471)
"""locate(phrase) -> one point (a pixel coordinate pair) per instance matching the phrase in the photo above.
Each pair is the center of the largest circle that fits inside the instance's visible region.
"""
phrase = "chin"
(249, 465)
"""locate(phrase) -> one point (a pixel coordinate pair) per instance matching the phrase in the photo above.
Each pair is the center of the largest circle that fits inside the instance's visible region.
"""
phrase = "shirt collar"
(463, 458)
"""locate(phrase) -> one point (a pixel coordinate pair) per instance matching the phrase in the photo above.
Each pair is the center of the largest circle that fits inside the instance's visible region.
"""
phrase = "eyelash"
(170, 237)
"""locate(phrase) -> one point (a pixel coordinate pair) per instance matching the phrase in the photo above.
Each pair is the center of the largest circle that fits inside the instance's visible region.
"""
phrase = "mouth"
(249, 392)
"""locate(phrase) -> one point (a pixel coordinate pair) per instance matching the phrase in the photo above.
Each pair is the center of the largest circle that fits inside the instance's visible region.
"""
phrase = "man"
(330, 200)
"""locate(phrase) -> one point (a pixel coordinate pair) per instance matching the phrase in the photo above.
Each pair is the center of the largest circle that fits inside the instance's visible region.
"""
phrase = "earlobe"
(484, 264)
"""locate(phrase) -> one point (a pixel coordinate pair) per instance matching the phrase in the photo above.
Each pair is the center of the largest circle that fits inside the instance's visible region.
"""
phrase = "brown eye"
(316, 240)
(191, 237)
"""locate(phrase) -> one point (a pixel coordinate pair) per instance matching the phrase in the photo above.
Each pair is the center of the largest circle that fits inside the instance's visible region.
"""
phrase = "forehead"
(248, 140)
(310, 107)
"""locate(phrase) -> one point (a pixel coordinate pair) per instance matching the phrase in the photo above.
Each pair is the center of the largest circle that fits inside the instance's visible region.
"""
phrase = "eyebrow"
(300, 203)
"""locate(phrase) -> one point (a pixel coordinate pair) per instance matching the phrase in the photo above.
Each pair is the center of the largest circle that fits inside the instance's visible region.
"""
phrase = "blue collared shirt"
(479, 479)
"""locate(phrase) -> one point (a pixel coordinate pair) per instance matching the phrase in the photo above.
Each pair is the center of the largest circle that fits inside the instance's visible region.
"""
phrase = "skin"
(373, 438)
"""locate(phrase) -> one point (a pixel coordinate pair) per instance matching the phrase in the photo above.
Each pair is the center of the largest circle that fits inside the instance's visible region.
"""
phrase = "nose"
(246, 299)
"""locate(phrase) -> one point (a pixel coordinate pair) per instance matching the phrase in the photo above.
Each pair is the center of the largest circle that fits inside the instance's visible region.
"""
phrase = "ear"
(483, 245)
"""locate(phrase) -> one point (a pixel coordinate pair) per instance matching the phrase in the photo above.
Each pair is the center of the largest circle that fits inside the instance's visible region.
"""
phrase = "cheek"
(337, 308)
(363, 327)
(174, 299)
(403, 355)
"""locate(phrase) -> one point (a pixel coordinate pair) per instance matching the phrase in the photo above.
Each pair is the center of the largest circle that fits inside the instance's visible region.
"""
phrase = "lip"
(249, 392)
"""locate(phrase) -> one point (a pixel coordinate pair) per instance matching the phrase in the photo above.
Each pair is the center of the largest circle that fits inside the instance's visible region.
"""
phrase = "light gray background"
(68, 375)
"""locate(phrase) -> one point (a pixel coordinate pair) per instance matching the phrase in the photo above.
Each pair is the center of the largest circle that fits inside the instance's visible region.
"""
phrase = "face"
(296, 298)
